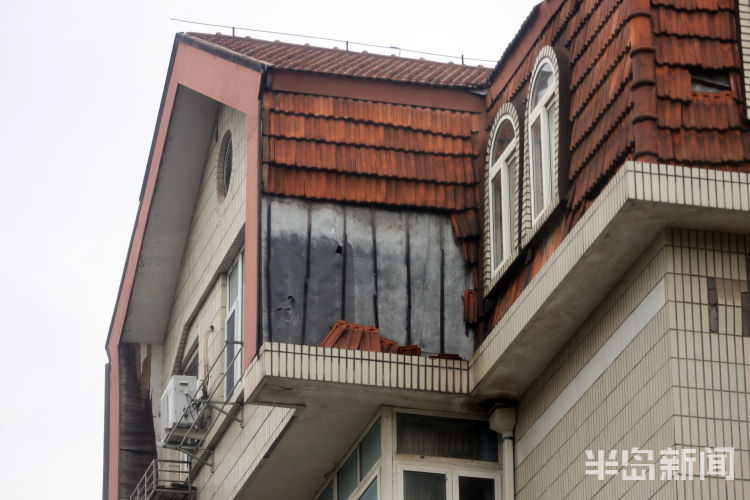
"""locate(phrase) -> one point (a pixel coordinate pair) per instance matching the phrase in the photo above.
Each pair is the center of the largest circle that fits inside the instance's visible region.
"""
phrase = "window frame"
(541, 112)
(452, 474)
(501, 167)
(508, 112)
(551, 112)
(363, 482)
(235, 308)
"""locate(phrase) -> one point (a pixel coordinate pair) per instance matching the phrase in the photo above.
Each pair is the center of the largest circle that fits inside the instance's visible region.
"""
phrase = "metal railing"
(189, 438)
(171, 477)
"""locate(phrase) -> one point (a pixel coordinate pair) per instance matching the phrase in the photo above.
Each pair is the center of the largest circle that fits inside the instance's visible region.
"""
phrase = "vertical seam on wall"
(375, 267)
(307, 273)
(408, 279)
(268, 271)
(343, 270)
(442, 290)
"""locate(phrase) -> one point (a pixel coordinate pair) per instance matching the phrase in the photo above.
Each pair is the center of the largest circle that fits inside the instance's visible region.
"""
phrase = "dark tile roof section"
(338, 62)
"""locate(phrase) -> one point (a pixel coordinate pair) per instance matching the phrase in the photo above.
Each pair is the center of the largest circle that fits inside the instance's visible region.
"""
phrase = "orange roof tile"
(294, 57)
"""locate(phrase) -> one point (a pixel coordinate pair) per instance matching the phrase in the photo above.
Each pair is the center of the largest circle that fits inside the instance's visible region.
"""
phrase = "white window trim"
(376, 468)
(236, 308)
(502, 166)
(451, 473)
(540, 112)
(365, 482)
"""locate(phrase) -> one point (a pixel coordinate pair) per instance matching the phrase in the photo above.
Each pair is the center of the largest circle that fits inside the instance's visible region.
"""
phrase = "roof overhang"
(196, 81)
(637, 204)
(178, 181)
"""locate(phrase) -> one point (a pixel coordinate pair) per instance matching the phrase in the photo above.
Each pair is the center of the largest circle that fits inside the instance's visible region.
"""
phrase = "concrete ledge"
(639, 201)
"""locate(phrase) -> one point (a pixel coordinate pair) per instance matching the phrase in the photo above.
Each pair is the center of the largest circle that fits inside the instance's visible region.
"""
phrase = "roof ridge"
(334, 61)
(196, 34)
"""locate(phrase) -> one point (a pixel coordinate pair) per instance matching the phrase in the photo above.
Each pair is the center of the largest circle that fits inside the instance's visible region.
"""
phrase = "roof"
(307, 58)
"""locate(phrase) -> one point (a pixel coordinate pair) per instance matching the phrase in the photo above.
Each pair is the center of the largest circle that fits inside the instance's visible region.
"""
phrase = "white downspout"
(503, 421)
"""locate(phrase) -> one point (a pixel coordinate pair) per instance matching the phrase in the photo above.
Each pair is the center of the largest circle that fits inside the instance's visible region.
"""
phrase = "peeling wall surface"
(398, 270)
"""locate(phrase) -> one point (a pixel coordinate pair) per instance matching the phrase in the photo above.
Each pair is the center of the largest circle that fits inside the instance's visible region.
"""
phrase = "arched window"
(541, 138)
(501, 194)
(502, 170)
(546, 141)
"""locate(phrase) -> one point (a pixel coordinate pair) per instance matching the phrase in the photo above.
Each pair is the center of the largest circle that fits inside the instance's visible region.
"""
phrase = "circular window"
(225, 164)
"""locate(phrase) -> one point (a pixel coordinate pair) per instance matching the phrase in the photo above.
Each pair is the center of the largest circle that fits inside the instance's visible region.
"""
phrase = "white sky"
(82, 82)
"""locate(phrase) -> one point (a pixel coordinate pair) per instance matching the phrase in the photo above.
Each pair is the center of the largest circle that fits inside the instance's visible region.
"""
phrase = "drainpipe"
(503, 421)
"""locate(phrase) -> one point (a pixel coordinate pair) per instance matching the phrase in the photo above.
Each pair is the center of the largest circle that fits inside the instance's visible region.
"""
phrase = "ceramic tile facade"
(376, 369)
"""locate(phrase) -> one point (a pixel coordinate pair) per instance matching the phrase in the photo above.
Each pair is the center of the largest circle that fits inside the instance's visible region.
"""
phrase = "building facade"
(371, 277)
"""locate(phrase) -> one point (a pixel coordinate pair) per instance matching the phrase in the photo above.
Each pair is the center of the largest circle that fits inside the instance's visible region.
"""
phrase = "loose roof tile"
(307, 58)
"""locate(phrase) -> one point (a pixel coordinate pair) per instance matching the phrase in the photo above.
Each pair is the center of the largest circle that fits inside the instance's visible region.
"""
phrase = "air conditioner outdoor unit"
(175, 402)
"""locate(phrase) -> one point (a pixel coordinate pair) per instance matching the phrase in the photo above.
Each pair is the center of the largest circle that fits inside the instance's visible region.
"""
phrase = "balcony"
(165, 480)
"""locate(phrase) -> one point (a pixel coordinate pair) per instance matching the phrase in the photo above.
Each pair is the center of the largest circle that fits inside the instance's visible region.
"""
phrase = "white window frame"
(237, 309)
(501, 166)
(452, 473)
(363, 482)
(540, 112)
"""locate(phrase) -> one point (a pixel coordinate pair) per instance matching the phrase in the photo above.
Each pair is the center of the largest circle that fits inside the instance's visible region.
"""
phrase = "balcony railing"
(204, 407)
(165, 479)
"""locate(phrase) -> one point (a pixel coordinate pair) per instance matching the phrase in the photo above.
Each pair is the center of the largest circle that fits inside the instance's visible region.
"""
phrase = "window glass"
(371, 493)
(192, 367)
(476, 488)
(227, 164)
(503, 138)
(347, 476)
(445, 437)
(233, 285)
(497, 214)
(231, 349)
(327, 493)
(542, 83)
(424, 486)
(370, 449)
(537, 177)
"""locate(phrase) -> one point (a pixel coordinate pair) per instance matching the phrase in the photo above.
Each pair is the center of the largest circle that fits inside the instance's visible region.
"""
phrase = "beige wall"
(240, 451)
(674, 384)
(212, 244)
(710, 372)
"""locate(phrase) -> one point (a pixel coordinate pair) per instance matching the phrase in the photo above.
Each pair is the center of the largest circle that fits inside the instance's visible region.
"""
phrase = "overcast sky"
(81, 83)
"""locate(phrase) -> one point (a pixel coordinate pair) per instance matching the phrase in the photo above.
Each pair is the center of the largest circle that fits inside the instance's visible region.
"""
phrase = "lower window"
(437, 483)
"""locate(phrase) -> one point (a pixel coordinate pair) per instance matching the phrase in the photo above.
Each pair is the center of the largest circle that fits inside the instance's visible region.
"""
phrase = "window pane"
(347, 477)
(371, 493)
(541, 84)
(231, 349)
(192, 367)
(370, 449)
(327, 493)
(502, 139)
(445, 437)
(497, 214)
(424, 486)
(537, 188)
(233, 285)
(476, 488)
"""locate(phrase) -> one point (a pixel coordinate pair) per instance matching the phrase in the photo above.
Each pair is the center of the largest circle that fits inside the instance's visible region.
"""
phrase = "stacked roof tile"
(353, 150)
